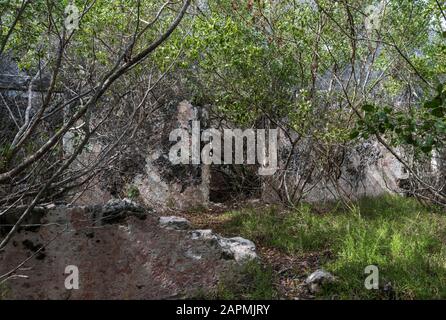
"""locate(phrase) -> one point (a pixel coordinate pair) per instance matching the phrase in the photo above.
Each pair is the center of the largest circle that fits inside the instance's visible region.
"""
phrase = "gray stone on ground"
(204, 234)
(318, 278)
(126, 258)
(236, 248)
(174, 223)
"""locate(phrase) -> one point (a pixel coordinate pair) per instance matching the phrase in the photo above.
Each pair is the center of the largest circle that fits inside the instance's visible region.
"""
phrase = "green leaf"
(387, 110)
(365, 135)
(426, 148)
(428, 144)
(354, 134)
(438, 112)
(440, 126)
(409, 139)
(433, 103)
(368, 108)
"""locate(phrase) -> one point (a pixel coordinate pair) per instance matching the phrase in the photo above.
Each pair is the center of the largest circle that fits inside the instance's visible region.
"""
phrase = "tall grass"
(250, 281)
(404, 240)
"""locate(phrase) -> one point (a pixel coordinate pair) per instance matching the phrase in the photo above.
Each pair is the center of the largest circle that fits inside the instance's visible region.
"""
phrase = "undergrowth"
(403, 239)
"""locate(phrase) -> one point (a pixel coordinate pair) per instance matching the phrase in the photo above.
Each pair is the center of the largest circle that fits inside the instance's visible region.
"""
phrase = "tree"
(92, 72)
(309, 68)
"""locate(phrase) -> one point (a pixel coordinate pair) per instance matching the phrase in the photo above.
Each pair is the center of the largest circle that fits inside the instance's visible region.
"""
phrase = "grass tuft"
(252, 281)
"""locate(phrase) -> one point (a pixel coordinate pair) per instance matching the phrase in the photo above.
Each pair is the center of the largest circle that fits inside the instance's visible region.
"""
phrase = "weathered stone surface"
(365, 170)
(167, 186)
(318, 278)
(174, 222)
(146, 169)
(127, 259)
(116, 209)
(205, 234)
(236, 248)
(239, 248)
(12, 78)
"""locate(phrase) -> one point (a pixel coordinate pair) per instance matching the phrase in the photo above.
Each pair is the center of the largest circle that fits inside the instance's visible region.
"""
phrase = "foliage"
(404, 239)
(423, 128)
(252, 281)
(422, 123)
(133, 192)
(276, 59)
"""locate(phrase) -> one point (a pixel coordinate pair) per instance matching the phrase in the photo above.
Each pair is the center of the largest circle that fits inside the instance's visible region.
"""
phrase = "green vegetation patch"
(403, 239)
(251, 281)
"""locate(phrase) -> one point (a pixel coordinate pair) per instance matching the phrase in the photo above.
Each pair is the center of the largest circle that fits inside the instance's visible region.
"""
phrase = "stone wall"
(364, 170)
(167, 186)
(146, 173)
(367, 169)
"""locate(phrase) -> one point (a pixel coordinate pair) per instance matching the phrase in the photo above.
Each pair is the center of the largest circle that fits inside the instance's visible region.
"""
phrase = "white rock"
(205, 234)
(191, 254)
(318, 278)
(239, 248)
(236, 248)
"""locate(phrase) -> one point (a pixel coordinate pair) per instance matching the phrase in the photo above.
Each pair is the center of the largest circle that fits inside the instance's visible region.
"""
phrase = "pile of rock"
(237, 248)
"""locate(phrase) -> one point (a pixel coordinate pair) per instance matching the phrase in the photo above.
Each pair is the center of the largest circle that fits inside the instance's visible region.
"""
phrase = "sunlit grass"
(405, 240)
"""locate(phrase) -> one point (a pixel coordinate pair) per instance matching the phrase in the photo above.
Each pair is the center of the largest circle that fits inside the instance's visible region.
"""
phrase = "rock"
(174, 223)
(317, 279)
(191, 254)
(388, 290)
(161, 183)
(238, 248)
(124, 204)
(205, 234)
(144, 260)
(116, 210)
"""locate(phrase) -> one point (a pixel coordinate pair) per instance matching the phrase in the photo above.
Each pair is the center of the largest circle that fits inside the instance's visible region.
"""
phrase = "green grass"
(250, 281)
(406, 241)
